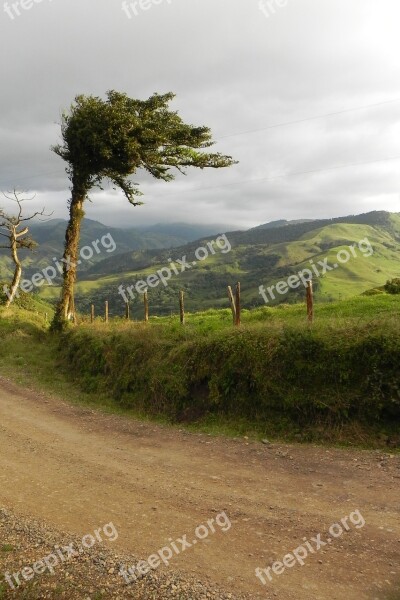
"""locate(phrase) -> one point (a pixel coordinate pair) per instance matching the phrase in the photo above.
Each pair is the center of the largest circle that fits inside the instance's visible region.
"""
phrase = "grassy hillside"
(50, 237)
(338, 380)
(258, 257)
(272, 367)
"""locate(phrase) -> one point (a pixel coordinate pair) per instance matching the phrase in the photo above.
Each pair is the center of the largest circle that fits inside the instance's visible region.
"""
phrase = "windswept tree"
(111, 140)
(14, 230)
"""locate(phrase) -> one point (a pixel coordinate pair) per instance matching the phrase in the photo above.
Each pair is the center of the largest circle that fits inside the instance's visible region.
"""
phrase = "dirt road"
(77, 469)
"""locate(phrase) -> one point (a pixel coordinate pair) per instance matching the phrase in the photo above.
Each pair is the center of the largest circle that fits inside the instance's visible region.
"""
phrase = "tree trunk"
(70, 260)
(17, 273)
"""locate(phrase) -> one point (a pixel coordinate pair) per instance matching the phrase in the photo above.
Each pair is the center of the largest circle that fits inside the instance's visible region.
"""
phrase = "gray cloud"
(234, 70)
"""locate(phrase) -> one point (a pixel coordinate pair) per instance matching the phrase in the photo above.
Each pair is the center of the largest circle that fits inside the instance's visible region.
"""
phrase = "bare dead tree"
(16, 233)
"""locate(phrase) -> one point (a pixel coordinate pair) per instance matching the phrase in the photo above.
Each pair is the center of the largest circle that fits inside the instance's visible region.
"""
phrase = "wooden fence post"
(232, 303)
(127, 311)
(310, 302)
(182, 306)
(92, 313)
(146, 307)
(106, 312)
(237, 321)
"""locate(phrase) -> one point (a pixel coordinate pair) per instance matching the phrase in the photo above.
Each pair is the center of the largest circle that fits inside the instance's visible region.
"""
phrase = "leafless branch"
(17, 197)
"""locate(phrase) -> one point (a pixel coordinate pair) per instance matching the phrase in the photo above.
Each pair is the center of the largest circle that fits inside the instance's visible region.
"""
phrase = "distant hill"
(281, 223)
(183, 231)
(259, 256)
(50, 237)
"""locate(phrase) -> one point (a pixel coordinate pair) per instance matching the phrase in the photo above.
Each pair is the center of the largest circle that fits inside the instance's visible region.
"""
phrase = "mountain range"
(50, 235)
(261, 256)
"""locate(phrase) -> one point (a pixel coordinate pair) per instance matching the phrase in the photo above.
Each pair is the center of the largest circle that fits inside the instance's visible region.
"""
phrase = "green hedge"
(351, 372)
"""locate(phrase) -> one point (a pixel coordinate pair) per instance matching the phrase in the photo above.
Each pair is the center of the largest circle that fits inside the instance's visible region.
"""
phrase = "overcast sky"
(245, 72)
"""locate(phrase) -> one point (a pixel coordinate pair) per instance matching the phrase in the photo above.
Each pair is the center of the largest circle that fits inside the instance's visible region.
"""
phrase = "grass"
(30, 591)
(211, 377)
(253, 264)
(29, 356)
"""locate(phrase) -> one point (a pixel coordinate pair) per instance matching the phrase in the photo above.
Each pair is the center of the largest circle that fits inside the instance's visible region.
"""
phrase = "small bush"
(373, 292)
(393, 286)
(23, 300)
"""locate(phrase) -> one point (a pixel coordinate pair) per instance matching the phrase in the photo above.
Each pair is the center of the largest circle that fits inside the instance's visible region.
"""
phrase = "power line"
(273, 126)
(283, 175)
(332, 114)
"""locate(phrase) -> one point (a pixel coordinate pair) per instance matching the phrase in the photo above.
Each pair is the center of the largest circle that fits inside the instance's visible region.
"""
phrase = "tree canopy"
(111, 140)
